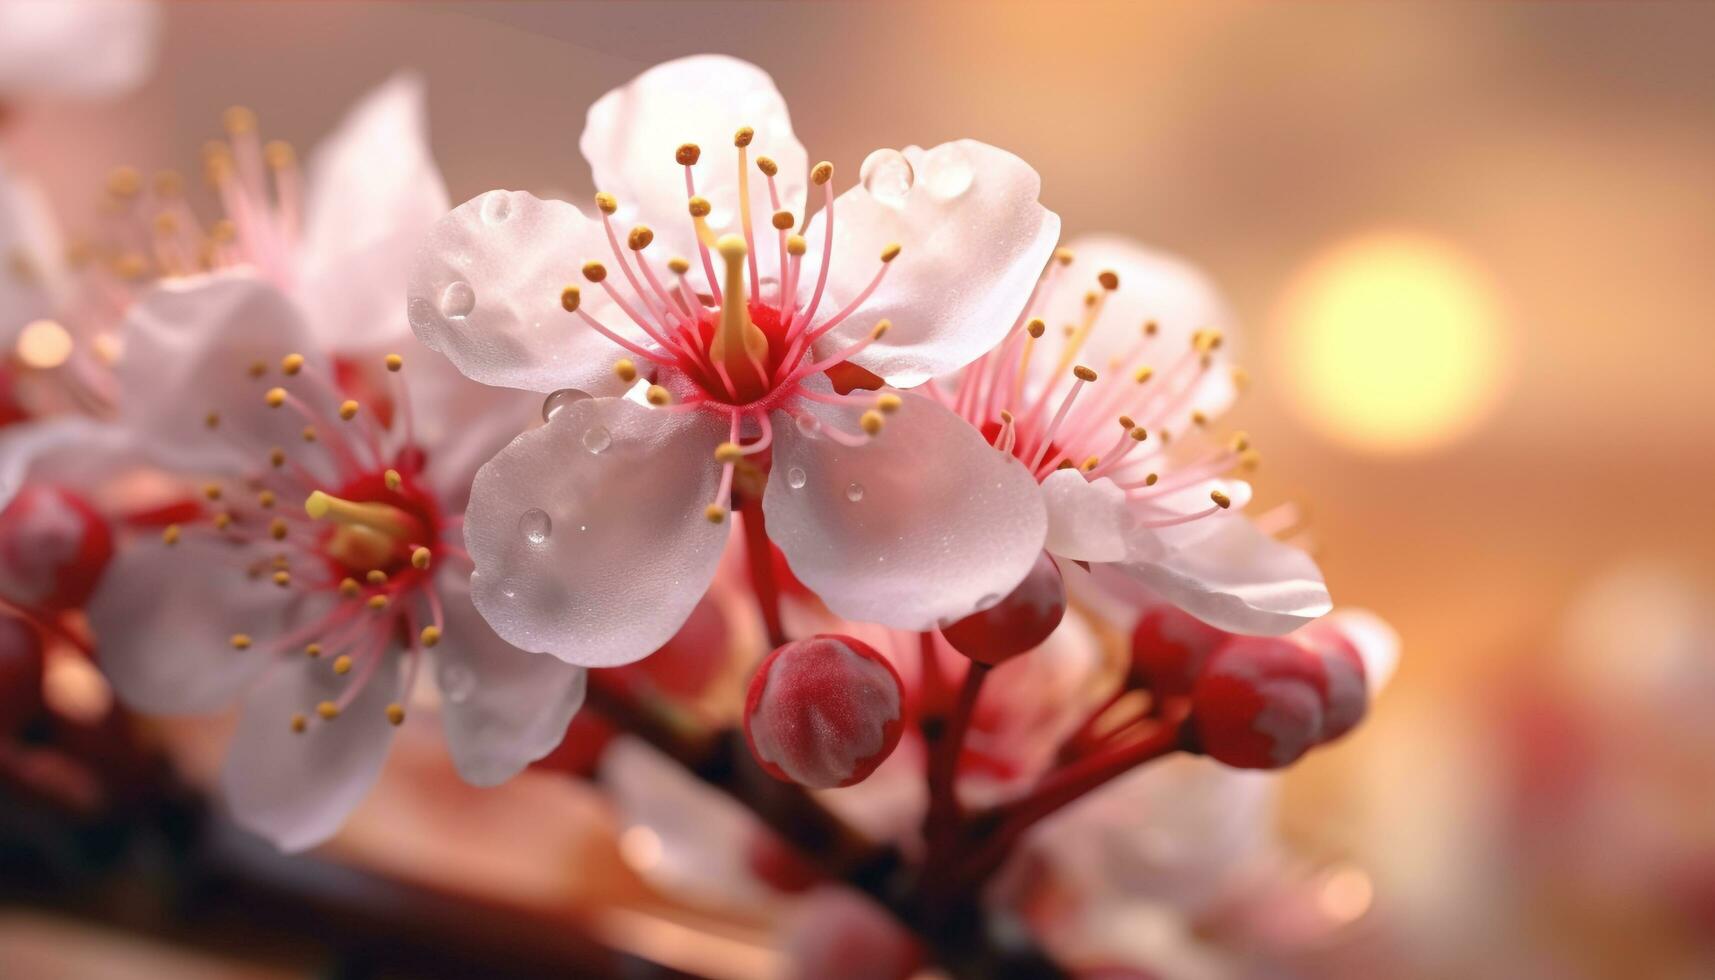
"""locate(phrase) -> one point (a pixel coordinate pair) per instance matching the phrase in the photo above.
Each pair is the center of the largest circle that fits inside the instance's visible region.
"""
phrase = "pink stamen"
(702, 247)
(1054, 426)
(827, 253)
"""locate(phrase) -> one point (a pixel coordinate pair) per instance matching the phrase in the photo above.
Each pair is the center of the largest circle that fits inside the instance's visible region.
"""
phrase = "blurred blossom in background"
(1469, 250)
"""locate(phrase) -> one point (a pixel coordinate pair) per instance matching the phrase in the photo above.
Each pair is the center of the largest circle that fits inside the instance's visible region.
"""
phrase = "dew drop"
(809, 425)
(457, 300)
(536, 525)
(887, 175)
(497, 207)
(854, 491)
(947, 171)
(457, 682)
(795, 478)
(554, 403)
(597, 439)
(420, 312)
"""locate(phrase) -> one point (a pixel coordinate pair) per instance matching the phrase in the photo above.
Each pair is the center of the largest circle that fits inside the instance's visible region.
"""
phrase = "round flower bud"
(53, 548)
(1169, 648)
(1016, 624)
(823, 712)
(1261, 702)
(1347, 695)
(20, 673)
(834, 933)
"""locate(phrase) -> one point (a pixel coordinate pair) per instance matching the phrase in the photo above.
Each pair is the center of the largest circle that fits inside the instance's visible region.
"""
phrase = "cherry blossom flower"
(740, 319)
(75, 48)
(1105, 390)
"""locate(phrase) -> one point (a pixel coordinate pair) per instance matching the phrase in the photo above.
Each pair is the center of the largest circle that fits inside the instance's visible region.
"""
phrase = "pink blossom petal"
(485, 291)
(973, 241)
(924, 523)
(373, 192)
(1087, 519)
(589, 533)
(1232, 576)
(502, 708)
(297, 788)
(461, 422)
(27, 233)
(79, 48)
(67, 449)
(633, 131)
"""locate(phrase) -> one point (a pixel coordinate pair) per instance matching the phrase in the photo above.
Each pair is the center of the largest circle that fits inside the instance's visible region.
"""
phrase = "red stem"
(941, 823)
(759, 558)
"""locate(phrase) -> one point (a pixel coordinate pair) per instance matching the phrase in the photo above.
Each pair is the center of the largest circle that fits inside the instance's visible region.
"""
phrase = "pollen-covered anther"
(1143, 374)
(328, 710)
(767, 165)
(211, 491)
(291, 364)
(890, 253)
(349, 588)
(715, 513)
(420, 558)
(1239, 442)
(1206, 341)
(279, 154)
(639, 238)
(240, 641)
(300, 724)
(1199, 419)
(1151, 479)
(393, 480)
(593, 271)
(887, 403)
(266, 499)
(396, 713)
(348, 410)
(430, 636)
(678, 266)
(1109, 279)
(728, 452)
(313, 650)
(1083, 373)
(276, 457)
(783, 221)
(275, 397)
(342, 665)
(211, 420)
(687, 154)
(377, 602)
(277, 529)
(222, 521)
(1035, 328)
(238, 120)
(1090, 463)
(625, 370)
(743, 137)
(821, 173)
(309, 433)
(282, 578)
(881, 329)
(375, 576)
(394, 362)
(606, 203)
(170, 535)
(796, 245)
(1063, 256)
(871, 422)
(1139, 434)
(1221, 500)
(658, 396)
(1249, 460)
(124, 182)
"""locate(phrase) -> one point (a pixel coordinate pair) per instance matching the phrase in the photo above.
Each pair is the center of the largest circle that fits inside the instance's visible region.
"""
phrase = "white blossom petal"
(926, 522)
(1233, 577)
(78, 48)
(589, 533)
(1087, 519)
(31, 273)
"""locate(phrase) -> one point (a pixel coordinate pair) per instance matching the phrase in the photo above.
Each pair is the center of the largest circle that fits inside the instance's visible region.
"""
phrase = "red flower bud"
(1347, 689)
(53, 548)
(1169, 648)
(1261, 702)
(823, 712)
(1016, 624)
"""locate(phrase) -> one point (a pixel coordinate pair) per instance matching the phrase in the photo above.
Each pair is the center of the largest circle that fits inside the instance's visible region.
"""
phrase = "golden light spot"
(641, 847)
(44, 344)
(75, 689)
(1394, 343)
(1346, 894)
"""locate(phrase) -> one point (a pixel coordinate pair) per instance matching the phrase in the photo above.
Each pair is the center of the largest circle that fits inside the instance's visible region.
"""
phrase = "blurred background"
(1471, 248)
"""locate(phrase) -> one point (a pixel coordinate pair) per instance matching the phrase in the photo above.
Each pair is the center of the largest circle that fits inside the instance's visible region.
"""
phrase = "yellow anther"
(420, 558)
(1150, 480)
(276, 457)
(1035, 328)
(1005, 417)
(625, 370)
(211, 491)
(783, 221)
(606, 202)
(1139, 434)
(1240, 442)
(1092, 297)
(1151, 328)
(277, 529)
(657, 396)
(1064, 464)
(1127, 422)
(265, 499)
(888, 402)
(222, 521)
(279, 154)
(309, 433)
(394, 362)
(238, 120)
(1063, 256)
(349, 588)
(1199, 419)
(124, 182)
(699, 207)
(375, 576)
(871, 422)
(342, 665)
(275, 397)
(728, 452)
(1090, 463)
(821, 173)
(678, 266)
(211, 420)
(281, 561)
(291, 364)
(393, 480)
(169, 183)
(282, 578)
(240, 641)
(881, 329)
(1109, 279)
(743, 137)
(1143, 374)
(1221, 500)
(166, 223)
(300, 724)
(593, 271)
(313, 650)
(348, 410)
(257, 369)
(767, 165)
(223, 231)
(639, 238)
(1207, 340)
(396, 713)
(890, 253)
(715, 513)
(170, 535)
(328, 710)
(1083, 373)
(377, 602)
(1241, 378)
(796, 245)
(430, 636)
(687, 154)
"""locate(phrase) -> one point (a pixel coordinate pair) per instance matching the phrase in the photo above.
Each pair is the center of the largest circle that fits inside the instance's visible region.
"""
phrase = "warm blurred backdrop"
(1472, 249)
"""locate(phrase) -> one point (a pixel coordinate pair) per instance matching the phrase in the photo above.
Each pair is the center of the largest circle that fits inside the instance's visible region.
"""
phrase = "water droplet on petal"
(457, 300)
(597, 439)
(854, 492)
(795, 478)
(420, 312)
(497, 207)
(809, 425)
(887, 175)
(457, 682)
(947, 171)
(552, 405)
(536, 525)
